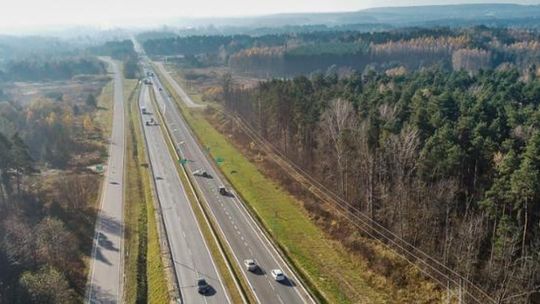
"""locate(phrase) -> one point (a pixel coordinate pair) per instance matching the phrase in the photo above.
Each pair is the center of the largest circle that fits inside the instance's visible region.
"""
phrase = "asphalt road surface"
(190, 254)
(106, 273)
(244, 236)
(179, 90)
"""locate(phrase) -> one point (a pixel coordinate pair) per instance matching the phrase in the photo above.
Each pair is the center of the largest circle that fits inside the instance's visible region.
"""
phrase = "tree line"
(447, 160)
(294, 54)
(50, 69)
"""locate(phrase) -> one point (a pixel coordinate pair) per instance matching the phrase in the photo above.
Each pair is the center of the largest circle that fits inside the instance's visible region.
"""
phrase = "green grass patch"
(157, 283)
(135, 206)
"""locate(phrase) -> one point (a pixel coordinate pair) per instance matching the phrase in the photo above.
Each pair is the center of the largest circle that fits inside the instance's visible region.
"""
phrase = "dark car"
(202, 286)
(223, 190)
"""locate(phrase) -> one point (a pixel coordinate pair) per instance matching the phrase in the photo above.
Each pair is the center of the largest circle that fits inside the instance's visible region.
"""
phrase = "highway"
(242, 233)
(190, 254)
(106, 273)
(185, 97)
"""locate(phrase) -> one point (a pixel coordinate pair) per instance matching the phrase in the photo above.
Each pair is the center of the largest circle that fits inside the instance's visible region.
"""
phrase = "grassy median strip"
(145, 274)
(209, 231)
(135, 231)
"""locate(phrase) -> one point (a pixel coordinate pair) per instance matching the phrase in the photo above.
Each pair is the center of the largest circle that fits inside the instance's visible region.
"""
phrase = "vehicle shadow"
(287, 282)
(259, 271)
(228, 194)
(210, 292)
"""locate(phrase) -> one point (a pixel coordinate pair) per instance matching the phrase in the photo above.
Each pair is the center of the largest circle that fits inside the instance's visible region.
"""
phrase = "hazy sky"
(31, 13)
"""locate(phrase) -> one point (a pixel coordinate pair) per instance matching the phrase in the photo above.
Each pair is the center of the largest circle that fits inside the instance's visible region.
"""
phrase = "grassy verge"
(134, 208)
(209, 231)
(319, 258)
(145, 274)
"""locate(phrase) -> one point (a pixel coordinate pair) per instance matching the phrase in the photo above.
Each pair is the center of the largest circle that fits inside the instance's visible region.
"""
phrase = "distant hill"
(470, 14)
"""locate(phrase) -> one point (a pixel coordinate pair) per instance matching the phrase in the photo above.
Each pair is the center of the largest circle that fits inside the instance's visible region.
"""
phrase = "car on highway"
(202, 286)
(223, 190)
(277, 274)
(250, 265)
(151, 122)
(201, 172)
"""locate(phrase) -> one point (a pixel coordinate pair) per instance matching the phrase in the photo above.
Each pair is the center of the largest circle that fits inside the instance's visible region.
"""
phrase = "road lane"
(106, 274)
(242, 233)
(185, 97)
(191, 257)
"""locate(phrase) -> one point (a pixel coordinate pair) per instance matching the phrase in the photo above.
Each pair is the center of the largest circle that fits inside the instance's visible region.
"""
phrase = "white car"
(250, 265)
(277, 274)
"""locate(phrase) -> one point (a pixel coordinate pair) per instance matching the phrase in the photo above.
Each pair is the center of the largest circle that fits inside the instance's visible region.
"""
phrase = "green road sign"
(219, 160)
(183, 161)
(99, 168)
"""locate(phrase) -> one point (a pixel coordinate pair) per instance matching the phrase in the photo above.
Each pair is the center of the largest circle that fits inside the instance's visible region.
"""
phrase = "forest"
(293, 54)
(61, 68)
(447, 160)
(47, 191)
